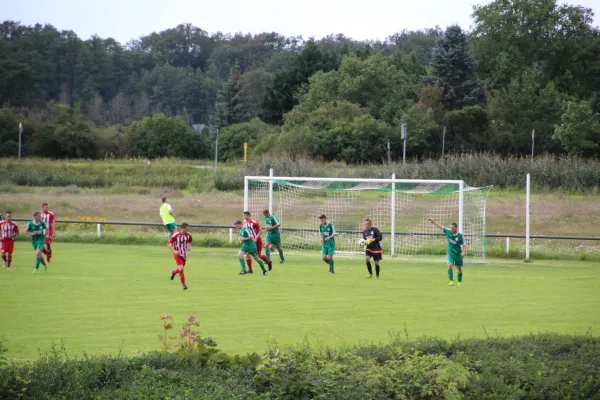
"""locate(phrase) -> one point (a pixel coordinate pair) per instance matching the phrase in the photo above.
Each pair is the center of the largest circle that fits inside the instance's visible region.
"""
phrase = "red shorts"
(7, 246)
(48, 241)
(179, 260)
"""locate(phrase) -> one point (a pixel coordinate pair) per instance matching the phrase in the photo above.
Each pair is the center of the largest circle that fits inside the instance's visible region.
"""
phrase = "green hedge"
(544, 366)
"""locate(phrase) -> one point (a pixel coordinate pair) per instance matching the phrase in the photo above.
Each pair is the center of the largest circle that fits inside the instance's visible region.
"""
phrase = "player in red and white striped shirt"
(8, 231)
(48, 218)
(256, 233)
(180, 244)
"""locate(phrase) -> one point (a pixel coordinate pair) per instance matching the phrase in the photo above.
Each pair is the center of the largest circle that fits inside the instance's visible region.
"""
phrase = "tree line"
(525, 66)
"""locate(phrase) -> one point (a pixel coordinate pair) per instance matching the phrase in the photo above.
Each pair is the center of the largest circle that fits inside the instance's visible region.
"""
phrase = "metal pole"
(389, 153)
(393, 217)
(271, 190)
(527, 217)
(217, 151)
(230, 235)
(443, 142)
(20, 138)
(532, 142)
(507, 246)
(99, 230)
(404, 144)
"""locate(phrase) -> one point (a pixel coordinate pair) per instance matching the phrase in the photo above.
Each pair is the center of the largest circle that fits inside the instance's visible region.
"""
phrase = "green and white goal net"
(400, 208)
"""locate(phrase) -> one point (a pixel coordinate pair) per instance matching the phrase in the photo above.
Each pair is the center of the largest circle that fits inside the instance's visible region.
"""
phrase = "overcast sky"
(359, 19)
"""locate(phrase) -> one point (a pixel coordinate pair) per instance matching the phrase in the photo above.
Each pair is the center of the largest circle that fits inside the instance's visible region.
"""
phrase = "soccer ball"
(362, 242)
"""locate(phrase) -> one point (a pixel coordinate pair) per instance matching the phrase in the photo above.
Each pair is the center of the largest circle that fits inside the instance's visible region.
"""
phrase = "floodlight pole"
(443, 142)
(532, 142)
(217, 151)
(20, 138)
(404, 145)
(389, 153)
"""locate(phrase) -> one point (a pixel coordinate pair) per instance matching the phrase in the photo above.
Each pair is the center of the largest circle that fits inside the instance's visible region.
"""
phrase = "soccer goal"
(398, 207)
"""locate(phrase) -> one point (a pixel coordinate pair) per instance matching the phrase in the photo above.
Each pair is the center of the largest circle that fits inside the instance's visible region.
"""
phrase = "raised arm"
(435, 223)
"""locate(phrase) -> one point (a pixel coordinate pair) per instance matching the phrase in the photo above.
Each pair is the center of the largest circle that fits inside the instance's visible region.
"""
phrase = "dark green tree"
(454, 66)
(159, 136)
(282, 94)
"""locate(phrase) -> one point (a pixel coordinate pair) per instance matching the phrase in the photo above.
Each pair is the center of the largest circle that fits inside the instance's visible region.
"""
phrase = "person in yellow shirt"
(167, 216)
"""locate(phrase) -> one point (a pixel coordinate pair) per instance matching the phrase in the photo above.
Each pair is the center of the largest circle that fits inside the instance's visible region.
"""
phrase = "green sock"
(42, 261)
(331, 265)
(326, 261)
(268, 253)
(281, 255)
(262, 265)
(460, 276)
(37, 263)
(450, 274)
(243, 264)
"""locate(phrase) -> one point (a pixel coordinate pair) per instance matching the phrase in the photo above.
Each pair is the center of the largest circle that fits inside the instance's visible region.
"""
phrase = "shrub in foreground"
(543, 366)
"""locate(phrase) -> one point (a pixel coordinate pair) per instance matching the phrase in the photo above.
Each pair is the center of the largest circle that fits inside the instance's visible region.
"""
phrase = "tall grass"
(570, 174)
(548, 172)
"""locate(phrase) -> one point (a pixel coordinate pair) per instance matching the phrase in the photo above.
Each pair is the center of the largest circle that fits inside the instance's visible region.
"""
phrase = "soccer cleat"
(281, 261)
(369, 276)
(459, 283)
(270, 266)
(35, 271)
(451, 283)
(8, 269)
(172, 275)
(184, 287)
(377, 277)
(250, 272)
(4, 264)
(242, 273)
(265, 273)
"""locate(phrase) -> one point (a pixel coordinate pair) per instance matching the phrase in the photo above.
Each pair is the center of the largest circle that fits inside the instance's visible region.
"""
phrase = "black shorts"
(376, 256)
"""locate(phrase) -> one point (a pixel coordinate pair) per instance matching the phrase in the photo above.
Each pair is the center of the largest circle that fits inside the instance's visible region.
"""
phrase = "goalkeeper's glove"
(369, 241)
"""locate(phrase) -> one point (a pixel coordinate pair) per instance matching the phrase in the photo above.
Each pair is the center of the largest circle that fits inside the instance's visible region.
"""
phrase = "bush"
(543, 366)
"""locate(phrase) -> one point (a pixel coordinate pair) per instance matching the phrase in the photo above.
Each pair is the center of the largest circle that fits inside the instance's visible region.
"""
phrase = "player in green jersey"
(327, 234)
(272, 226)
(35, 229)
(248, 247)
(456, 250)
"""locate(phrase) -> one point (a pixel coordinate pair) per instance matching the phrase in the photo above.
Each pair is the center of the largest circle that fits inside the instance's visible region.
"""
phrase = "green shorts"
(250, 248)
(274, 238)
(328, 248)
(38, 244)
(171, 227)
(455, 260)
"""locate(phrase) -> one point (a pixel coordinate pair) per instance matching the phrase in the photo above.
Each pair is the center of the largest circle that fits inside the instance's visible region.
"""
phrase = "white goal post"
(398, 207)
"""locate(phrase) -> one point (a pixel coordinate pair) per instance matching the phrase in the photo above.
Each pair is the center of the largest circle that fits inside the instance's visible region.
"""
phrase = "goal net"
(400, 208)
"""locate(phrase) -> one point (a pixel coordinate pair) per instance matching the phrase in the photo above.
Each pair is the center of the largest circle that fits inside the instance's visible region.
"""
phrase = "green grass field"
(101, 298)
